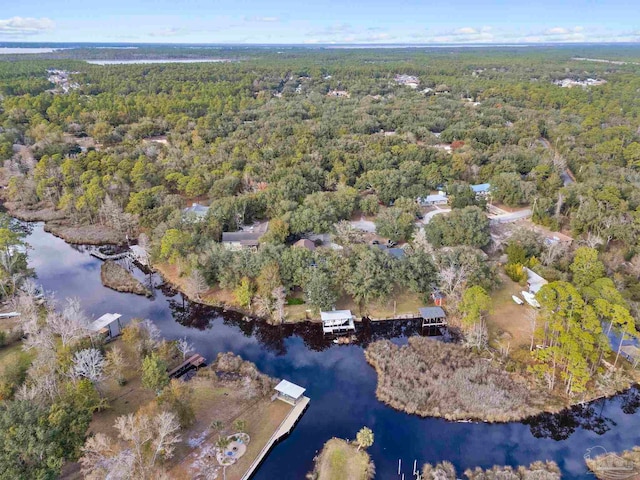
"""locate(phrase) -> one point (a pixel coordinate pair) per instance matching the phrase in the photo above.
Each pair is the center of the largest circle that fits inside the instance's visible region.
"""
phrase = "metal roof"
(198, 209)
(290, 389)
(435, 198)
(534, 280)
(103, 321)
(432, 312)
(241, 237)
(481, 187)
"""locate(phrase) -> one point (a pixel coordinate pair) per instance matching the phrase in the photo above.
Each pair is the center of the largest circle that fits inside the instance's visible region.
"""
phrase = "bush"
(295, 301)
(516, 272)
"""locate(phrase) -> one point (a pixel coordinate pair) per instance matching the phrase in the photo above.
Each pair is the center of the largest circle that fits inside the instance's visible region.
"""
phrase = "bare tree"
(148, 439)
(88, 363)
(115, 363)
(184, 347)
(71, 324)
(196, 284)
(279, 301)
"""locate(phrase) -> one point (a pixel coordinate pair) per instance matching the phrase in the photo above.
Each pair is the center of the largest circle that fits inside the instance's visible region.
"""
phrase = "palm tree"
(364, 438)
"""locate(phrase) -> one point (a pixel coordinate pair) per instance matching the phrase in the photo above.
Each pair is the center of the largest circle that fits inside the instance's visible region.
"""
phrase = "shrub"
(516, 272)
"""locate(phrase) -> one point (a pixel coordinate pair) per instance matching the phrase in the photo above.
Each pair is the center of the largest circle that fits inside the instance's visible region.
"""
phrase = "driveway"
(511, 217)
(429, 215)
(364, 225)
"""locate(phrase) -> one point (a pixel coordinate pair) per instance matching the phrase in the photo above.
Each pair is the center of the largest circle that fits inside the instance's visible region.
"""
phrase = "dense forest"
(311, 139)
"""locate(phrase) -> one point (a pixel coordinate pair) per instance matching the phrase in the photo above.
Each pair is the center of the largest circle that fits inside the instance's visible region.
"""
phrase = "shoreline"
(249, 317)
(550, 411)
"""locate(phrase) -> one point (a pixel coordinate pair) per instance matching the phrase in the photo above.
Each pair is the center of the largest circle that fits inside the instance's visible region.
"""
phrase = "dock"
(405, 316)
(283, 430)
(104, 257)
(194, 361)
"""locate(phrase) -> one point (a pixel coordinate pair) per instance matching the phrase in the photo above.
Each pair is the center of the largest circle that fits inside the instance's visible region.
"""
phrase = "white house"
(436, 199)
(337, 321)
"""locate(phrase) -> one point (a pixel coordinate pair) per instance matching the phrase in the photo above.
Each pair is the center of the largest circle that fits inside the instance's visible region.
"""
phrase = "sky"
(321, 22)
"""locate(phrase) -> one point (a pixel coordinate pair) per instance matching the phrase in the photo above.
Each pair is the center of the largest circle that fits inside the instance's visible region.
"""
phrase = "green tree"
(244, 292)
(395, 223)
(370, 205)
(474, 306)
(469, 226)
(319, 290)
(173, 244)
(154, 373)
(371, 275)
(586, 267)
(35, 441)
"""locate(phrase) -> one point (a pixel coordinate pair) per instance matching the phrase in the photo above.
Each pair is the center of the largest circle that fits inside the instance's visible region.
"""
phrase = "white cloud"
(21, 26)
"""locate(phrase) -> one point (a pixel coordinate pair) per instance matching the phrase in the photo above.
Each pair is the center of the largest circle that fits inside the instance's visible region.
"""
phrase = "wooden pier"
(194, 361)
(283, 430)
(104, 257)
(405, 316)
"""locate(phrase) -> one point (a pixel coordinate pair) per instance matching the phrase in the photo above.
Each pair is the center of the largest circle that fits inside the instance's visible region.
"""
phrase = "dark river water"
(341, 384)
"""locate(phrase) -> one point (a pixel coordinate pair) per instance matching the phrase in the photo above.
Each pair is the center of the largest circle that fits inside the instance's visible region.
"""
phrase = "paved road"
(511, 217)
(428, 216)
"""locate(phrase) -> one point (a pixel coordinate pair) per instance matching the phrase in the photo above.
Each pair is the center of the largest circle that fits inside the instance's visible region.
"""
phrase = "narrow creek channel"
(340, 383)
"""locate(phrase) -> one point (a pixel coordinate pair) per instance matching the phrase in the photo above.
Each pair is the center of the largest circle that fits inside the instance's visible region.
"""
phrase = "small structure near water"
(337, 321)
(108, 325)
(289, 392)
(193, 362)
(433, 316)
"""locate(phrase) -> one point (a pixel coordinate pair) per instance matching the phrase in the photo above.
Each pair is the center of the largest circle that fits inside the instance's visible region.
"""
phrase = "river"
(341, 384)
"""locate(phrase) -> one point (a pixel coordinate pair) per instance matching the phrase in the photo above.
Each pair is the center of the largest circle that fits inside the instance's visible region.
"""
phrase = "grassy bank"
(341, 460)
(118, 278)
(57, 223)
(431, 378)
(605, 465)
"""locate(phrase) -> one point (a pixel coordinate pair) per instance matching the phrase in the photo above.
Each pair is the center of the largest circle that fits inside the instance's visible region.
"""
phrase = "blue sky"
(324, 21)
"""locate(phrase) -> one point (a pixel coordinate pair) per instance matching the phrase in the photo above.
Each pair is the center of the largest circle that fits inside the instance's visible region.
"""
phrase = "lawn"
(400, 303)
(340, 460)
(509, 323)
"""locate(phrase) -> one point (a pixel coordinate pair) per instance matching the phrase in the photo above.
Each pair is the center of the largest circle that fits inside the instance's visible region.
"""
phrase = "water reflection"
(340, 382)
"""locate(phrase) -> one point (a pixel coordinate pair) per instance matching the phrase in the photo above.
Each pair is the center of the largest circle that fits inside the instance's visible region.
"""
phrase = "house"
(305, 243)
(108, 325)
(482, 189)
(289, 392)
(241, 240)
(433, 316)
(338, 93)
(436, 199)
(534, 281)
(196, 211)
(337, 321)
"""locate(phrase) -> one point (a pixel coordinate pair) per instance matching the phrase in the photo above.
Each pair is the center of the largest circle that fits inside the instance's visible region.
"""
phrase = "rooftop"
(429, 313)
(481, 187)
(103, 321)
(244, 238)
(290, 389)
(198, 209)
(336, 315)
(305, 243)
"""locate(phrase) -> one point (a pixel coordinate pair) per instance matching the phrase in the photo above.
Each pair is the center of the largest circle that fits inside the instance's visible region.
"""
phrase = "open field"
(508, 322)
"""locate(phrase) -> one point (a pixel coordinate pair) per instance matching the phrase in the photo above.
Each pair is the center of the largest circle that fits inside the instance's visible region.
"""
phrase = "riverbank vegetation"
(117, 277)
(538, 470)
(607, 465)
(431, 378)
(70, 401)
(340, 459)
